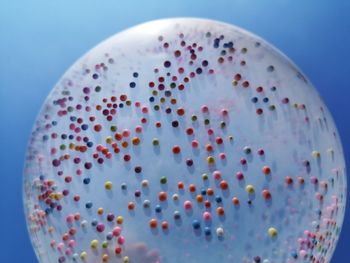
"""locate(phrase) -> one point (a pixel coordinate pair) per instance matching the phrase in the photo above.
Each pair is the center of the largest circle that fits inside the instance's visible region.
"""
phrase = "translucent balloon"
(184, 140)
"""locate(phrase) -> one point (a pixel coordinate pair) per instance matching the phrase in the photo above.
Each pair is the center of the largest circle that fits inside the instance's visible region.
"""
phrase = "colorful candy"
(184, 140)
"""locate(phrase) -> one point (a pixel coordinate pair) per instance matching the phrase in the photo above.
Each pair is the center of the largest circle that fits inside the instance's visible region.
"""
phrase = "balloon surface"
(184, 140)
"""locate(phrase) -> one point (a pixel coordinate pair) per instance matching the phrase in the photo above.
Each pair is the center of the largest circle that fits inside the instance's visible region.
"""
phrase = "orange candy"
(135, 141)
(65, 237)
(100, 211)
(199, 198)
(223, 185)
(131, 206)
(162, 196)
(153, 223)
(220, 211)
(235, 201)
(210, 191)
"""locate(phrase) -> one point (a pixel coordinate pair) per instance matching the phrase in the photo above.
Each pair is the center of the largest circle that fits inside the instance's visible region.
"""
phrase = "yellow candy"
(83, 255)
(94, 244)
(210, 160)
(126, 259)
(100, 211)
(109, 140)
(108, 185)
(272, 232)
(120, 220)
(249, 188)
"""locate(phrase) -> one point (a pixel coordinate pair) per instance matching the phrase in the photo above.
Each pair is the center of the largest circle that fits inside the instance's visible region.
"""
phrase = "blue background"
(39, 40)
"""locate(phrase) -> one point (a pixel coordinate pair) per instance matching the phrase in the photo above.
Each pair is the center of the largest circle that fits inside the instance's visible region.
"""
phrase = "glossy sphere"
(184, 140)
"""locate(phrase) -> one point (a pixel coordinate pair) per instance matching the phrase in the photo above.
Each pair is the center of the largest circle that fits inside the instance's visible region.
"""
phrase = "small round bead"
(266, 170)
(272, 232)
(219, 231)
(249, 189)
(108, 185)
(196, 224)
(153, 223)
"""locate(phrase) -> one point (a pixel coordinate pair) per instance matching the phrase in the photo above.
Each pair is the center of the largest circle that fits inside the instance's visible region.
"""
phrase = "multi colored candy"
(184, 140)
